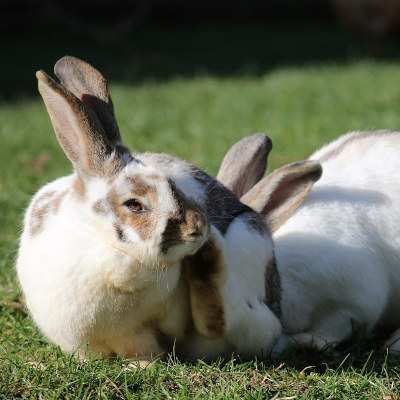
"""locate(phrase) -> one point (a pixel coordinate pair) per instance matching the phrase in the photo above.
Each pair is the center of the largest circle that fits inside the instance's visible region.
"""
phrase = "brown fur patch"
(273, 287)
(221, 205)
(57, 200)
(79, 187)
(185, 223)
(43, 205)
(205, 274)
(143, 222)
(141, 188)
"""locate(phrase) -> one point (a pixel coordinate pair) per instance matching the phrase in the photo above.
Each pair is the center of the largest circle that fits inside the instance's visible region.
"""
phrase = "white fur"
(178, 170)
(99, 270)
(339, 255)
(86, 288)
(251, 326)
(82, 286)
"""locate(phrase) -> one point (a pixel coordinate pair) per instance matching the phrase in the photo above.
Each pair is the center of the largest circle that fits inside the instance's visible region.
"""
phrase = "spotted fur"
(40, 208)
(44, 205)
(143, 223)
(205, 273)
(185, 223)
(102, 275)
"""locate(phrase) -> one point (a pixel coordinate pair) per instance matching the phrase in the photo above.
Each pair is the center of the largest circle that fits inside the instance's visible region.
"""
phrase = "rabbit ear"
(90, 86)
(245, 163)
(278, 195)
(78, 130)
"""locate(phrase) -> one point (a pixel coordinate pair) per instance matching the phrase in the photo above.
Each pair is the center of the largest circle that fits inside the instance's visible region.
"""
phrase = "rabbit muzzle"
(185, 233)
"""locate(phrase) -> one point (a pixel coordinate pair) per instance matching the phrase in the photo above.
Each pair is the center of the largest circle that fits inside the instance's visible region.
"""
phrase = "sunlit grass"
(196, 118)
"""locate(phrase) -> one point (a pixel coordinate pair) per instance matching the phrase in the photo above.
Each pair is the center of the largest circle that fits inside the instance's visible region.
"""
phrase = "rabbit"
(337, 256)
(129, 253)
(242, 167)
(245, 163)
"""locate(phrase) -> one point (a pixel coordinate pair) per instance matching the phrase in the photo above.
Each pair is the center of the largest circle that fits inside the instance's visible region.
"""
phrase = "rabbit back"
(341, 249)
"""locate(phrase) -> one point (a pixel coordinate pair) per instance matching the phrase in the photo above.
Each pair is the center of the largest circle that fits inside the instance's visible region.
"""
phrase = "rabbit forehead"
(145, 182)
(134, 179)
(179, 171)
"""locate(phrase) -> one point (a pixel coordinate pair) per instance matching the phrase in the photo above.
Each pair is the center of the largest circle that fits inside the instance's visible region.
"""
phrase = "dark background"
(135, 41)
(27, 14)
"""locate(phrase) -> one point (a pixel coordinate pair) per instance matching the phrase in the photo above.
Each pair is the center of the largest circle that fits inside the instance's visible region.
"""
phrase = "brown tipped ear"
(78, 130)
(245, 163)
(279, 195)
(90, 86)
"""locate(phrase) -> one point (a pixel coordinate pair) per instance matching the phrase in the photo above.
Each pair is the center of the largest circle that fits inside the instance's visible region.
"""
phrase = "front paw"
(280, 346)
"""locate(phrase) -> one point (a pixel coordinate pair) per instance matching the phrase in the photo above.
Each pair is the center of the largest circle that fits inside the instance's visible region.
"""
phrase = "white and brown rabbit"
(338, 255)
(106, 256)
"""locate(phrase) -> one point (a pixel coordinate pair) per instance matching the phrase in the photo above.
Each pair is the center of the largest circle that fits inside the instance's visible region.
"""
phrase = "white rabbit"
(338, 255)
(107, 257)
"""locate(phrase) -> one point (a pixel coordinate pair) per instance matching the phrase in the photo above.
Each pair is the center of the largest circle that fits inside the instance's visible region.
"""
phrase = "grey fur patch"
(100, 207)
(244, 164)
(273, 289)
(120, 233)
(79, 131)
(45, 204)
(256, 222)
(90, 86)
(222, 206)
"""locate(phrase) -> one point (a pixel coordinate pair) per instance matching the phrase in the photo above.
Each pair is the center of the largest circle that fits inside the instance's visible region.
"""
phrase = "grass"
(193, 104)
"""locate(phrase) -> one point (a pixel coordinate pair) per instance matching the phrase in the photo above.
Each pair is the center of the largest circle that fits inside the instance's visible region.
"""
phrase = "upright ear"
(78, 130)
(245, 163)
(279, 195)
(90, 86)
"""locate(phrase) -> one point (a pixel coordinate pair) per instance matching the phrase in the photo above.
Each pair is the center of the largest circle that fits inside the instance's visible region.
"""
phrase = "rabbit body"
(84, 286)
(139, 254)
(338, 256)
(88, 291)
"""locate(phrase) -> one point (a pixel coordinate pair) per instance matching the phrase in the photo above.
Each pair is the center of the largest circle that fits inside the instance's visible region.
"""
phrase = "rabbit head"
(135, 201)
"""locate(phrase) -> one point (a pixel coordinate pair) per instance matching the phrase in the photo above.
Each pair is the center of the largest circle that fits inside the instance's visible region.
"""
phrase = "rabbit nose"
(196, 222)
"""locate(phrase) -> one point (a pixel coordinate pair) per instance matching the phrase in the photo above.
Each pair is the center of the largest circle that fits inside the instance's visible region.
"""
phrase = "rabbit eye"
(134, 205)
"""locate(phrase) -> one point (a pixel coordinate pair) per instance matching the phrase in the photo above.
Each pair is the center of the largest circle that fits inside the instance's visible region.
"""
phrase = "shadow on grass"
(162, 53)
(361, 354)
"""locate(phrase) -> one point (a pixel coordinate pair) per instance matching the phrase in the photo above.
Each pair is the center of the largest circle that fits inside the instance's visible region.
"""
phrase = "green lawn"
(193, 94)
